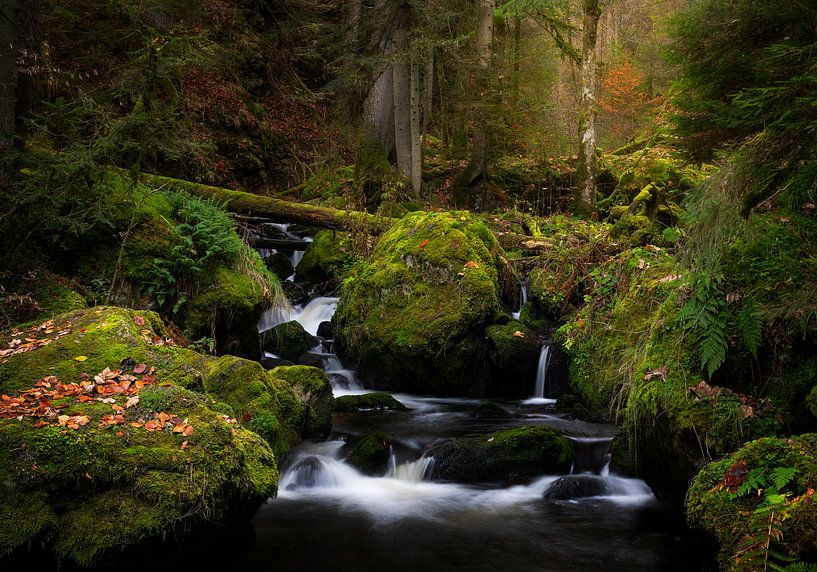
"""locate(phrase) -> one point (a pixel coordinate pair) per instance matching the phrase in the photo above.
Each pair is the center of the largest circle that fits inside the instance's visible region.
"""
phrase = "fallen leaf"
(423, 243)
(518, 334)
(184, 445)
(188, 431)
(140, 321)
(81, 358)
(140, 369)
(657, 372)
(152, 425)
(132, 401)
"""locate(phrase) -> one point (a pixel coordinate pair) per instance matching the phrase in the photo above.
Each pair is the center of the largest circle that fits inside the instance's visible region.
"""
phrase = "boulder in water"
(326, 331)
(314, 391)
(288, 340)
(86, 485)
(414, 316)
(280, 265)
(375, 401)
(513, 352)
(575, 487)
(326, 258)
(511, 454)
(490, 410)
(371, 454)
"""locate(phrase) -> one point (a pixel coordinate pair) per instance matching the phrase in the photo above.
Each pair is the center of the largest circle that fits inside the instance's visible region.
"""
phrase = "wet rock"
(490, 410)
(511, 454)
(326, 331)
(280, 265)
(375, 401)
(575, 487)
(288, 340)
(371, 454)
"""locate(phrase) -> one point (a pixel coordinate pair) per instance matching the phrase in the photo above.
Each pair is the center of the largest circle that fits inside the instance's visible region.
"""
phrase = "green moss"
(712, 507)
(375, 401)
(288, 340)
(523, 452)
(23, 517)
(428, 290)
(230, 292)
(313, 389)
(328, 257)
(370, 454)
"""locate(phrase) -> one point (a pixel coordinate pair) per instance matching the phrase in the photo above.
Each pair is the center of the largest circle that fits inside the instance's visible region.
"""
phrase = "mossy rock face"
(627, 348)
(279, 264)
(313, 389)
(375, 401)
(371, 454)
(740, 520)
(511, 454)
(86, 491)
(513, 354)
(288, 340)
(326, 258)
(414, 315)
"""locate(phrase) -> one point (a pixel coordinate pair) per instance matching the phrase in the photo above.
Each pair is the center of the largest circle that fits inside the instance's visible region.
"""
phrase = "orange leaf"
(140, 321)
(188, 430)
(140, 369)
(184, 445)
(423, 243)
(152, 425)
(163, 417)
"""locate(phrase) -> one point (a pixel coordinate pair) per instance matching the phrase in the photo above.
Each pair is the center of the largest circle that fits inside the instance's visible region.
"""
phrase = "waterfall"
(310, 316)
(591, 455)
(412, 472)
(523, 298)
(542, 371)
(541, 377)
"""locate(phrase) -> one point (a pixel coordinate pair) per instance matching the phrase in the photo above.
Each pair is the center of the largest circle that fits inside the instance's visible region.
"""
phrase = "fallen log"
(276, 210)
(279, 243)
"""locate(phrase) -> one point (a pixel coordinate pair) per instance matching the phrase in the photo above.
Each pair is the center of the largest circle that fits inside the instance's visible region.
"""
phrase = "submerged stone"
(575, 487)
(375, 401)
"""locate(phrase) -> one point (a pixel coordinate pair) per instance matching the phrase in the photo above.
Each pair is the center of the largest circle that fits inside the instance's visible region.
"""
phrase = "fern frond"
(782, 476)
(714, 345)
(750, 324)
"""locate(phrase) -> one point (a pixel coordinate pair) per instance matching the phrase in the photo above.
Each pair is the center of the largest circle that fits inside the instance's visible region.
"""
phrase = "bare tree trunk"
(9, 46)
(416, 139)
(402, 101)
(587, 107)
(428, 91)
(354, 22)
(485, 32)
(379, 104)
(479, 152)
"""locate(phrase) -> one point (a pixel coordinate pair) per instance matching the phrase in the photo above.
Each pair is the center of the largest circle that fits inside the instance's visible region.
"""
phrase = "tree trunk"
(353, 24)
(379, 104)
(428, 91)
(416, 139)
(276, 210)
(402, 101)
(485, 32)
(9, 46)
(587, 107)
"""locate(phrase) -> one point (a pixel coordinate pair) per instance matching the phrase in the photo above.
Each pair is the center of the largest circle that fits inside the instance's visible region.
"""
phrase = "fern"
(706, 313)
(750, 324)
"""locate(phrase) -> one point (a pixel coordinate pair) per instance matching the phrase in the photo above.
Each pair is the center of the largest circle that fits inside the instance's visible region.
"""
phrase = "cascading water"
(591, 455)
(541, 377)
(523, 298)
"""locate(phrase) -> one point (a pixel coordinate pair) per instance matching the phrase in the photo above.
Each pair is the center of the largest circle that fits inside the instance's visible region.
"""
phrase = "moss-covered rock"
(86, 488)
(370, 455)
(279, 264)
(414, 315)
(313, 389)
(511, 454)
(375, 401)
(327, 257)
(736, 500)
(288, 340)
(513, 352)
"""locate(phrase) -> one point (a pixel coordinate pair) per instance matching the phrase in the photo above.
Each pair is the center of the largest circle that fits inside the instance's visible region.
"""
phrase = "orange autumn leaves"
(50, 396)
(35, 337)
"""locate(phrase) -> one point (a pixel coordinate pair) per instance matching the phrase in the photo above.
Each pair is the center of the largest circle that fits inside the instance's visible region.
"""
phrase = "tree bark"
(402, 101)
(428, 91)
(379, 104)
(416, 134)
(9, 47)
(587, 107)
(353, 24)
(276, 210)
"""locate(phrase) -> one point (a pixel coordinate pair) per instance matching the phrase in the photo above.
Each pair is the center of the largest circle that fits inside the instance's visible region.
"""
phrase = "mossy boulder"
(375, 401)
(511, 454)
(370, 455)
(88, 489)
(176, 457)
(414, 315)
(314, 391)
(279, 264)
(288, 340)
(513, 352)
(733, 500)
(326, 258)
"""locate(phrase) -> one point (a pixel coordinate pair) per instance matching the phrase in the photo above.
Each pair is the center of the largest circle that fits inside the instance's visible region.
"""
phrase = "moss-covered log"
(276, 209)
